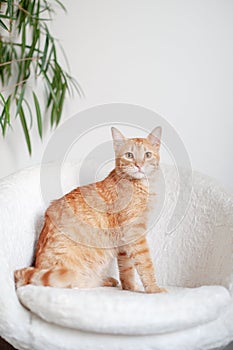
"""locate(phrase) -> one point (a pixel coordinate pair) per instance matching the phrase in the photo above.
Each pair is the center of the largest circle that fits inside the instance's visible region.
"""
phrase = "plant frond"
(28, 51)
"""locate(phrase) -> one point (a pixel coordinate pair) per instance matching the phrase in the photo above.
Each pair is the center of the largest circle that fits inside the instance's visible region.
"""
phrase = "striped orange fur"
(93, 224)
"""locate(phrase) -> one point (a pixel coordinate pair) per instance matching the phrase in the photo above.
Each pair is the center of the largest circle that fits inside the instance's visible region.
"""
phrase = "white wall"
(172, 56)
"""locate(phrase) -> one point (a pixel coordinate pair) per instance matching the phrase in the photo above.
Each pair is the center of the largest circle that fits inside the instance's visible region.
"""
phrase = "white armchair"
(194, 262)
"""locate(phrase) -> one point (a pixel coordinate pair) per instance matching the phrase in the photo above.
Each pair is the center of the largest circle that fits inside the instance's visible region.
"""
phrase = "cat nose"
(138, 166)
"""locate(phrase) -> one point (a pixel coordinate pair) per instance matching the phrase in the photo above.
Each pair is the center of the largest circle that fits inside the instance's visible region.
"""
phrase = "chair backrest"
(200, 250)
(20, 212)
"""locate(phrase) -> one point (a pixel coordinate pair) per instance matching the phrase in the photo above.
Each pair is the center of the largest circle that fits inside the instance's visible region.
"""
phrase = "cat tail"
(60, 277)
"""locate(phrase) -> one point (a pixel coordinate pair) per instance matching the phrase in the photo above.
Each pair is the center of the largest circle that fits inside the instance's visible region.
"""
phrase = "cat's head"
(137, 158)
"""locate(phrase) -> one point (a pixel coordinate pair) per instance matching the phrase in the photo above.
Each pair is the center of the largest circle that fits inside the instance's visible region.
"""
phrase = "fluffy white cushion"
(111, 310)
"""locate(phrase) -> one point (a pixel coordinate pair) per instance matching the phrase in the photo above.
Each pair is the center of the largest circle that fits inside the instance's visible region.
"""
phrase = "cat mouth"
(135, 173)
(138, 174)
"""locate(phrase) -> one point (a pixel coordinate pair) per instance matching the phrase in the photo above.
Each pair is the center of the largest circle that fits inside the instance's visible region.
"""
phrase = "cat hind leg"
(110, 282)
(56, 277)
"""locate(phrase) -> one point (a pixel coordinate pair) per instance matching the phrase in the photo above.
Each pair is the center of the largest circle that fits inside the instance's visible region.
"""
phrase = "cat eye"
(148, 154)
(129, 155)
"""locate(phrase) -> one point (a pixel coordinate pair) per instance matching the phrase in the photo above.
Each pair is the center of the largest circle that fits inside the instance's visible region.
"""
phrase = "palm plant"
(28, 53)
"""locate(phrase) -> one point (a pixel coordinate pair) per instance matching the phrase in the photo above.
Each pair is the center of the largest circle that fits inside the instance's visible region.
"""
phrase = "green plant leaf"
(29, 111)
(23, 40)
(76, 86)
(3, 110)
(2, 24)
(61, 102)
(31, 10)
(51, 90)
(45, 52)
(38, 114)
(2, 119)
(7, 16)
(61, 5)
(20, 100)
(2, 98)
(7, 111)
(25, 129)
(19, 77)
(32, 48)
(10, 8)
(53, 115)
(48, 63)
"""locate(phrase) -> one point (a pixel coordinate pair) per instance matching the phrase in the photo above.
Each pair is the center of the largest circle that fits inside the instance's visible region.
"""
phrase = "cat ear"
(155, 137)
(118, 139)
(117, 135)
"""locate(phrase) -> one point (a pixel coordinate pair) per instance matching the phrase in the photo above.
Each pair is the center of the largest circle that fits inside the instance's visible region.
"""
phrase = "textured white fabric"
(197, 253)
(111, 310)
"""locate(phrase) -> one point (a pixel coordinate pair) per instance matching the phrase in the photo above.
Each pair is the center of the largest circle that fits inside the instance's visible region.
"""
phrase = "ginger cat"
(90, 226)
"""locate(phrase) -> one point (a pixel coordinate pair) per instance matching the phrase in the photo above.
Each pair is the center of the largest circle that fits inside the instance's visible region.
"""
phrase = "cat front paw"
(131, 287)
(155, 289)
